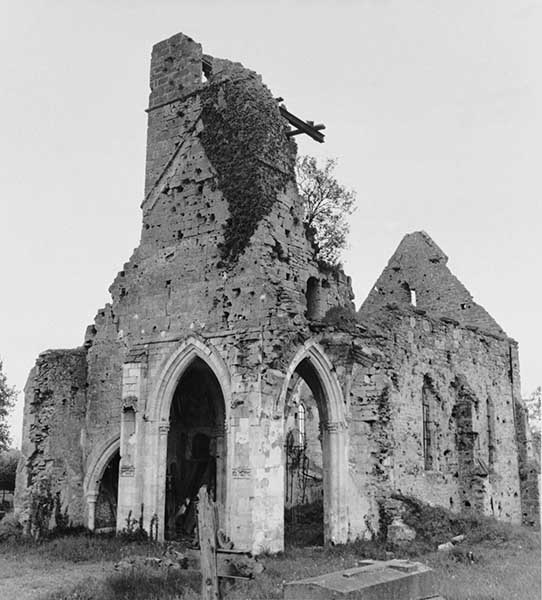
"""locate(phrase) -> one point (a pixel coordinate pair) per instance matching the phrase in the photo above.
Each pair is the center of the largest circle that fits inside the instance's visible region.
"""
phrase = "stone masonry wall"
(177, 281)
(224, 261)
(51, 469)
(466, 374)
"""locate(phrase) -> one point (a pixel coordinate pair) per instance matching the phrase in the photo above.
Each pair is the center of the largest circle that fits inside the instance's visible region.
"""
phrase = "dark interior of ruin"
(304, 491)
(196, 420)
(106, 503)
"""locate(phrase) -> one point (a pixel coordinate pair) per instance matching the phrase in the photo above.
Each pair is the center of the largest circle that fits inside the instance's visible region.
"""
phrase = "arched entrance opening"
(307, 457)
(311, 388)
(105, 515)
(196, 451)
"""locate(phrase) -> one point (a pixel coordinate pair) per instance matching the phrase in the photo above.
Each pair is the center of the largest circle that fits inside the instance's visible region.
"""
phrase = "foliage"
(134, 532)
(8, 468)
(244, 138)
(436, 525)
(42, 505)
(534, 415)
(327, 204)
(8, 396)
(10, 529)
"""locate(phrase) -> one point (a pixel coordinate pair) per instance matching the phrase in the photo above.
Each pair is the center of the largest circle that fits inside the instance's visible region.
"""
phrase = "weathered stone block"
(373, 580)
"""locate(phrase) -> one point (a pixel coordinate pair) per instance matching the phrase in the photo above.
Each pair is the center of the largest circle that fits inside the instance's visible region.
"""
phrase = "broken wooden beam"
(301, 126)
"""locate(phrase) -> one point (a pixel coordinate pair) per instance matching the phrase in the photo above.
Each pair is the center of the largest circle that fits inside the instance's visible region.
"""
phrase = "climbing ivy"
(244, 138)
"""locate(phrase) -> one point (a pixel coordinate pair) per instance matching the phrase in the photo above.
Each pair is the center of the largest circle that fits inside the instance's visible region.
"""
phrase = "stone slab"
(372, 580)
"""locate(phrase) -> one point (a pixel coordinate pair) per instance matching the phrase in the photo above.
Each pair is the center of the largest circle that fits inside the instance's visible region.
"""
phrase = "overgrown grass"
(78, 547)
(143, 584)
(435, 525)
(499, 570)
(496, 561)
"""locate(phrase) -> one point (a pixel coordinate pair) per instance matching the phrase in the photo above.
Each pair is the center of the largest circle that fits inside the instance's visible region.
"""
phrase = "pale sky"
(433, 108)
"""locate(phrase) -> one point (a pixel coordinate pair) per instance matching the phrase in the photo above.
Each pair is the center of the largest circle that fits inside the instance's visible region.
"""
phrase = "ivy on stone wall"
(244, 138)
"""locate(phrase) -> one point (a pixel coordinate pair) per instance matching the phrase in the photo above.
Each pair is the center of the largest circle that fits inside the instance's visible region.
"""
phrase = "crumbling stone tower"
(213, 299)
(220, 316)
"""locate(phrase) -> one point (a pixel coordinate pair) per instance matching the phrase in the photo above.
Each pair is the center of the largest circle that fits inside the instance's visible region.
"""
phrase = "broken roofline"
(301, 126)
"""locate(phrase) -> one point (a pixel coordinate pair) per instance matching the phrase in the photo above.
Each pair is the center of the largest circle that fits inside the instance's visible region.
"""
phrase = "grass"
(496, 561)
(141, 585)
(77, 547)
(502, 571)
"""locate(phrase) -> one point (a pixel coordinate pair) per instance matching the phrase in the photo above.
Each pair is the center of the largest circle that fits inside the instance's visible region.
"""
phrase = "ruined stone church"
(229, 356)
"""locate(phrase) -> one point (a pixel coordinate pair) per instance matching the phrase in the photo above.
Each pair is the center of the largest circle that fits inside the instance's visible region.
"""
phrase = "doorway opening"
(196, 449)
(304, 459)
(106, 502)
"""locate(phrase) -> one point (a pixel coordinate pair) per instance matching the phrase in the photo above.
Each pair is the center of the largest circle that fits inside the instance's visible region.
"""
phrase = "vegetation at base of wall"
(77, 545)
(436, 525)
(244, 138)
(505, 565)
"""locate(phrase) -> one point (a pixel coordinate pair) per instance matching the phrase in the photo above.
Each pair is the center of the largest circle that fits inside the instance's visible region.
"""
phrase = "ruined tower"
(224, 329)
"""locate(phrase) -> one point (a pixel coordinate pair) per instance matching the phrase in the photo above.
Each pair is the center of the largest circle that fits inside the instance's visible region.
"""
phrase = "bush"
(435, 525)
(10, 527)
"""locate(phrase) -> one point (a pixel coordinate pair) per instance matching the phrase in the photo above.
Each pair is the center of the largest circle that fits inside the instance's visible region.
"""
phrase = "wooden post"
(207, 544)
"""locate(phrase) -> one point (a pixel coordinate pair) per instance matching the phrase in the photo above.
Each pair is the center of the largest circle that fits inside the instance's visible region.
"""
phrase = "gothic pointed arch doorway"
(311, 390)
(196, 450)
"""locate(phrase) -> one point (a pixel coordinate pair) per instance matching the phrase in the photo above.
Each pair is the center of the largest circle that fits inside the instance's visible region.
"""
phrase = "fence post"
(207, 544)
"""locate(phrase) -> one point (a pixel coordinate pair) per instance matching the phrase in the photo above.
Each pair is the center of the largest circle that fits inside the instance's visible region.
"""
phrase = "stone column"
(219, 439)
(160, 467)
(129, 496)
(335, 482)
(241, 487)
(92, 497)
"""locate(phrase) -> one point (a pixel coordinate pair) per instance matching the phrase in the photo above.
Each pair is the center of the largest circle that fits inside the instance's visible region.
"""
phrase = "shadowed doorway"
(196, 448)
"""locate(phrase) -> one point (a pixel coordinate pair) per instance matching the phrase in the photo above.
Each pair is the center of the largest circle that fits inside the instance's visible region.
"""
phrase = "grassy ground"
(506, 566)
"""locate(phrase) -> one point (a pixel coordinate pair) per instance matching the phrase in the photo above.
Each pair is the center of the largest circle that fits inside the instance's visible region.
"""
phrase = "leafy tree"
(534, 415)
(327, 204)
(7, 400)
(8, 468)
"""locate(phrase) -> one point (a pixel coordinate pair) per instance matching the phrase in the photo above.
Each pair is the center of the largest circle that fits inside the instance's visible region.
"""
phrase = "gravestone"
(371, 580)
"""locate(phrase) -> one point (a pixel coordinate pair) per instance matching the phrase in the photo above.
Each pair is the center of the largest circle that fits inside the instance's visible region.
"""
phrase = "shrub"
(435, 525)
(10, 527)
